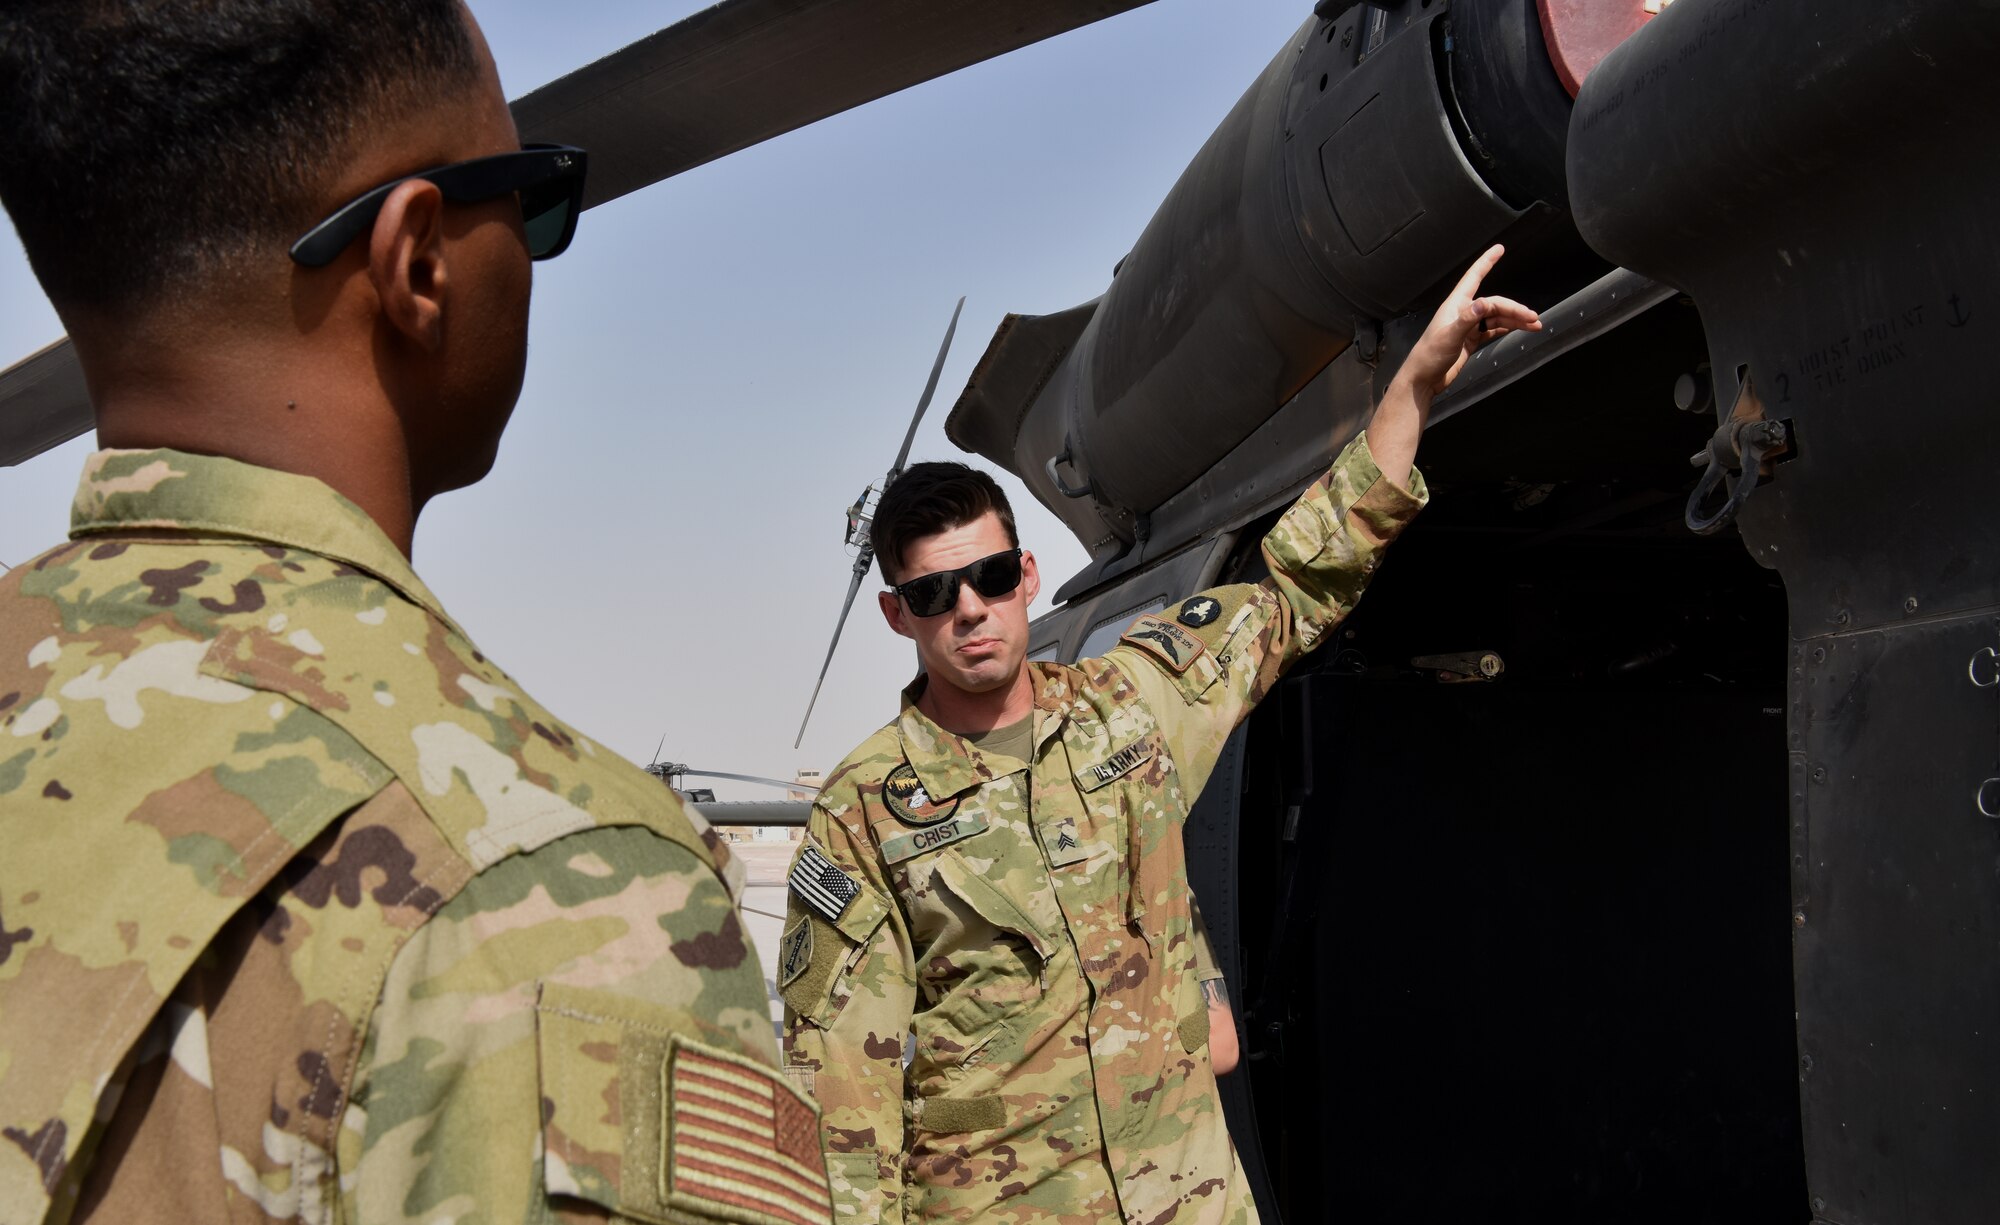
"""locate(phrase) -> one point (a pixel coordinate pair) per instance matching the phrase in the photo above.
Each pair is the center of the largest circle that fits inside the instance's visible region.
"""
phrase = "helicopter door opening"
(1516, 934)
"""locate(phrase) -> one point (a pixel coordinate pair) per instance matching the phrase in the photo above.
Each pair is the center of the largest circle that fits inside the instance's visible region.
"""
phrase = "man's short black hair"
(147, 145)
(930, 498)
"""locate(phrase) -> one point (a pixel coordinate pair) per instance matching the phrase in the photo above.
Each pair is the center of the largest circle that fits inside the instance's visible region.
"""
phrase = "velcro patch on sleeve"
(1194, 1031)
(821, 884)
(742, 1144)
(1164, 641)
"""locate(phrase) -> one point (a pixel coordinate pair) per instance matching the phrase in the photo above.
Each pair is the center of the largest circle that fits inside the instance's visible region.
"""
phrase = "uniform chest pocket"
(987, 963)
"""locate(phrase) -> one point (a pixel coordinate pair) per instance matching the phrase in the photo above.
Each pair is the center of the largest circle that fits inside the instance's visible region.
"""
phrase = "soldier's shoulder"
(599, 959)
(107, 703)
(252, 640)
(496, 770)
(863, 768)
(1186, 645)
(619, 909)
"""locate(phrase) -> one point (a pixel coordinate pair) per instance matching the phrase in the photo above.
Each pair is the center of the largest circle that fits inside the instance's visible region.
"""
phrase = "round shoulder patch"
(904, 793)
(1199, 611)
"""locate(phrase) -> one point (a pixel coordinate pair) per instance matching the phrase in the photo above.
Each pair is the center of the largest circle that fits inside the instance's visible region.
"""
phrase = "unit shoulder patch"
(1164, 641)
(904, 793)
(1199, 611)
(821, 884)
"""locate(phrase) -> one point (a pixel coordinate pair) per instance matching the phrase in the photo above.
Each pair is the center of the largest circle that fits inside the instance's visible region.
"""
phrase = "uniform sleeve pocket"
(649, 1121)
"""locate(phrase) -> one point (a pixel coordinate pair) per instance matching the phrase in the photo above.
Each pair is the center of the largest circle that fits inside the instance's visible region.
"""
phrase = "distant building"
(812, 780)
(801, 794)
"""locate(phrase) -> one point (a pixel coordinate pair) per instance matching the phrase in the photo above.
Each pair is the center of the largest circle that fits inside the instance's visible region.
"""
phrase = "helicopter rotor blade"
(751, 778)
(861, 561)
(695, 91)
(867, 554)
(930, 389)
(43, 403)
(703, 88)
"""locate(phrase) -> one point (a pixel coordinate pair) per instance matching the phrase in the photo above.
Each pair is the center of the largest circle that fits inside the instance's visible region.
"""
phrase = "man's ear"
(406, 261)
(892, 612)
(1031, 576)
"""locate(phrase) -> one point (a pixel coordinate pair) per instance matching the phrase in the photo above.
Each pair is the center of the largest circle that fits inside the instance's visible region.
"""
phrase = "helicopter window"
(1106, 632)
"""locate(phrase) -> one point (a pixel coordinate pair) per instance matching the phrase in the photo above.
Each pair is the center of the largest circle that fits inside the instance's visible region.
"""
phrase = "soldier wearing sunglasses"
(307, 911)
(997, 877)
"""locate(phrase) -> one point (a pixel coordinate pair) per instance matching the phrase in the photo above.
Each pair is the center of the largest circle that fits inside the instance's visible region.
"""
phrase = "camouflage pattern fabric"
(1032, 928)
(309, 913)
(1207, 968)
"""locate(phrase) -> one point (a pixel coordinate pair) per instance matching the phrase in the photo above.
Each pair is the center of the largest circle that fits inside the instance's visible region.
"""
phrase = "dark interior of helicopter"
(1518, 948)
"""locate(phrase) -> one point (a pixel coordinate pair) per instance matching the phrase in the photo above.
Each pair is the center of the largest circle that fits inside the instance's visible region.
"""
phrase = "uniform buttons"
(1224, 661)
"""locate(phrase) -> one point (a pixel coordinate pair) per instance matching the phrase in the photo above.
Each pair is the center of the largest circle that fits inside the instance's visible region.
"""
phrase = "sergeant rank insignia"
(1063, 844)
(1200, 611)
(821, 884)
(904, 793)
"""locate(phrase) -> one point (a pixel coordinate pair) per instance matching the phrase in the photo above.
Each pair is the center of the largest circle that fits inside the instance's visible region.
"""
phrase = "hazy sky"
(721, 361)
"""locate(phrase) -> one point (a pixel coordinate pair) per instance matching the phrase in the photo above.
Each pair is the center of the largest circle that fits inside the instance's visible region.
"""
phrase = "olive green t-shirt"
(1015, 740)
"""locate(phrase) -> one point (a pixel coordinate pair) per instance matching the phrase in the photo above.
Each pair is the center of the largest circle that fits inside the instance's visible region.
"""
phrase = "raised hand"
(1464, 321)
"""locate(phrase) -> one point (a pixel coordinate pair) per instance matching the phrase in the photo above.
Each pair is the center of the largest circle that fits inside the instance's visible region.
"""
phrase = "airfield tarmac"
(764, 908)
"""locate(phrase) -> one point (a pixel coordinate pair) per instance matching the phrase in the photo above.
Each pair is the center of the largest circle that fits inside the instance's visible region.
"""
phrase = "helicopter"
(1686, 911)
(732, 814)
(1674, 900)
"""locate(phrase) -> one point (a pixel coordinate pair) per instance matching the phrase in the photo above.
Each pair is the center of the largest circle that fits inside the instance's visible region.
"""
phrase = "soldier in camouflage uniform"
(998, 875)
(307, 911)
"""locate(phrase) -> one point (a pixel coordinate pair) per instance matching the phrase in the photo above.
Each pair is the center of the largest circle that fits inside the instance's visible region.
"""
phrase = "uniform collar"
(1055, 700)
(947, 763)
(206, 495)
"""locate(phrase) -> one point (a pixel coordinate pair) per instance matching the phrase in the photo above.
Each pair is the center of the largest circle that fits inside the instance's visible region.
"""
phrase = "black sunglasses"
(548, 178)
(992, 577)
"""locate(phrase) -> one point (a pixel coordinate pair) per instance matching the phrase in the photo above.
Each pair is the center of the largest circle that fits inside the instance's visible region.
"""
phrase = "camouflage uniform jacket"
(1031, 927)
(308, 913)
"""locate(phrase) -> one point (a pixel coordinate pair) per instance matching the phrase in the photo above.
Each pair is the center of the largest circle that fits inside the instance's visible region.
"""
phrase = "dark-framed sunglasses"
(548, 178)
(992, 576)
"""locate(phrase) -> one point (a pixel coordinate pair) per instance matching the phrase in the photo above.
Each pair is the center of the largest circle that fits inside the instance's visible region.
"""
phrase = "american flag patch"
(741, 1144)
(822, 885)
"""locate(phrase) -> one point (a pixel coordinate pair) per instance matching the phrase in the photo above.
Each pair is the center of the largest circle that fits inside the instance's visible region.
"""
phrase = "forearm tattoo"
(1217, 991)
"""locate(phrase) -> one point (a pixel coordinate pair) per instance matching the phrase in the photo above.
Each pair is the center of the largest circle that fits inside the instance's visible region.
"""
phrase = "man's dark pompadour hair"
(930, 498)
(147, 145)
